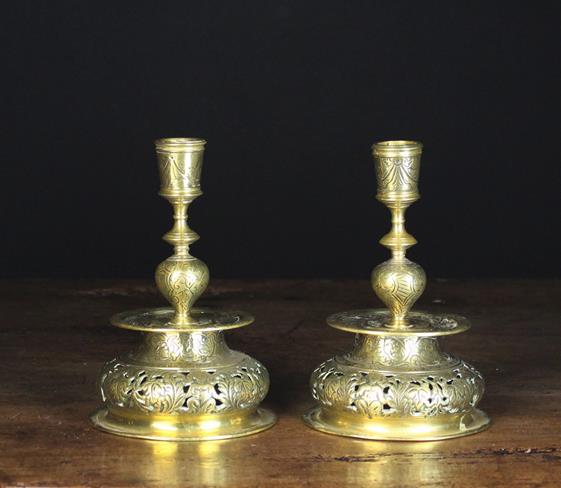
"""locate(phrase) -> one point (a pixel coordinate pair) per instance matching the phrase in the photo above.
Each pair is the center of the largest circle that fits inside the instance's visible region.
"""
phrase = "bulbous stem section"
(181, 278)
(398, 282)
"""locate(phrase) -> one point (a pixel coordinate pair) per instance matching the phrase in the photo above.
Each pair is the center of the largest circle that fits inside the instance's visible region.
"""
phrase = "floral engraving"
(379, 318)
(372, 393)
(398, 283)
(182, 281)
(171, 347)
(401, 353)
(165, 347)
(397, 174)
(179, 172)
(188, 391)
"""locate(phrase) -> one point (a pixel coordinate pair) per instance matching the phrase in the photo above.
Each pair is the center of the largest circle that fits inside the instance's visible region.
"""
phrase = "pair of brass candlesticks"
(184, 383)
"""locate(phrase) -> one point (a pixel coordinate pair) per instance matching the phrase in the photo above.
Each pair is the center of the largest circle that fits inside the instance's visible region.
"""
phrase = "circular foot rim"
(260, 420)
(437, 428)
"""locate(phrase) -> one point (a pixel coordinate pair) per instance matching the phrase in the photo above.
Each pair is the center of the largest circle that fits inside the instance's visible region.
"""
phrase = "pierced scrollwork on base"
(372, 393)
(185, 391)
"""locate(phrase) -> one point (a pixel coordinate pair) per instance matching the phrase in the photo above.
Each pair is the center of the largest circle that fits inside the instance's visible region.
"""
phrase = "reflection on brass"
(396, 384)
(182, 382)
(381, 464)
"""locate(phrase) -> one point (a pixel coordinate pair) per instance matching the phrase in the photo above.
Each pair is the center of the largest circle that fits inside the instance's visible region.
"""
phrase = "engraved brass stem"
(398, 282)
(181, 278)
(182, 382)
(396, 384)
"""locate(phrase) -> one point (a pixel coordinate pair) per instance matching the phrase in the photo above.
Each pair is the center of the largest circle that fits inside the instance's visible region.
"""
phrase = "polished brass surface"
(162, 320)
(182, 382)
(376, 322)
(396, 384)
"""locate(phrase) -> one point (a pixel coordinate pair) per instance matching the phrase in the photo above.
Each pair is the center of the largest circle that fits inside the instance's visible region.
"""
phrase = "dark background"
(290, 96)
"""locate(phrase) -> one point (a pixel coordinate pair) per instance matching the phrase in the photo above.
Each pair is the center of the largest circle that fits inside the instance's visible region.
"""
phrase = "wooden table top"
(55, 337)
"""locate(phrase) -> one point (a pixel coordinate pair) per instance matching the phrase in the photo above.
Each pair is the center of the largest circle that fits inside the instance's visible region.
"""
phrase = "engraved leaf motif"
(158, 394)
(176, 173)
(337, 388)
(395, 174)
(195, 173)
(181, 282)
(168, 169)
(373, 394)
(398, 284)
(185, 392)
(400, 291)
(118, 391)
(396, 352)
(370, 399)
(421, 396)
(202, 399)
(239, 389)
(170, 348)
(206, 347)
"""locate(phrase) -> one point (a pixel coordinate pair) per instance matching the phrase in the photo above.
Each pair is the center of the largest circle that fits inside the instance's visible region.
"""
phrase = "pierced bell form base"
(397, 385)
(183, 384)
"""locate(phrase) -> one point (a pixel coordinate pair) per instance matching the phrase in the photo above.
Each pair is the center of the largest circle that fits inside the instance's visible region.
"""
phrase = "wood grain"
(55, 337)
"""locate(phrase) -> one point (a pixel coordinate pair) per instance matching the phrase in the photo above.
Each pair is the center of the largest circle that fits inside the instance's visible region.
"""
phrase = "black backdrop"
(290, 96)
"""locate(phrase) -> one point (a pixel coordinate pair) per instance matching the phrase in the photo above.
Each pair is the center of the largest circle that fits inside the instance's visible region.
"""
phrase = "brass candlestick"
(183, 382)
(396, 384)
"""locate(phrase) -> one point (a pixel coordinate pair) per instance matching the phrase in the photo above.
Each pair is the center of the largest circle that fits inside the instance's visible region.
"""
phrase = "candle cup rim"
(397, 147)
(179, 143)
